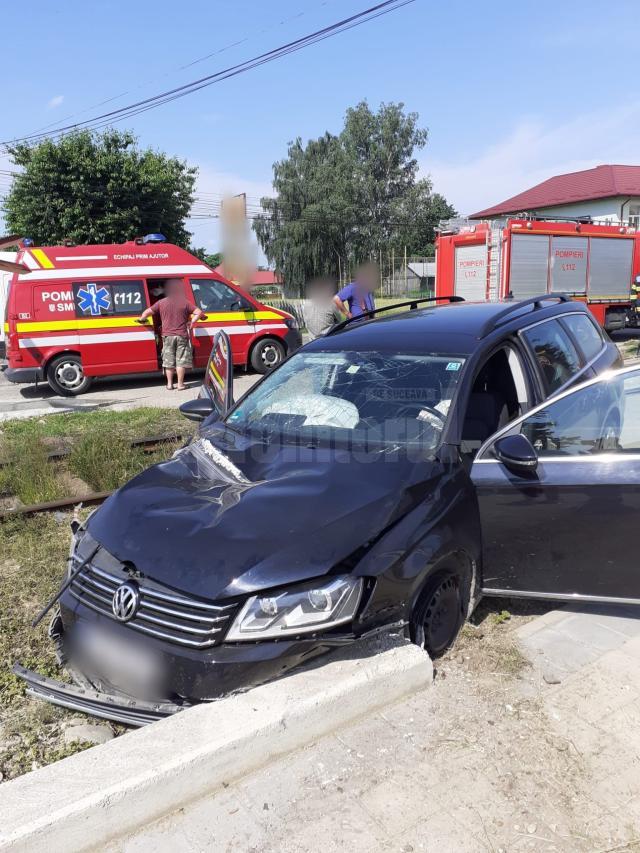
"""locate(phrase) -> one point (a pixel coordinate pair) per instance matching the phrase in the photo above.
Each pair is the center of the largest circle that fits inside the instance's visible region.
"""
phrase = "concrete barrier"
(111, 790)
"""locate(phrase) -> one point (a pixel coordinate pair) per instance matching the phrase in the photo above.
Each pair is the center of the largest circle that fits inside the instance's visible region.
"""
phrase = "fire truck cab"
(518, 258)
(73, 315)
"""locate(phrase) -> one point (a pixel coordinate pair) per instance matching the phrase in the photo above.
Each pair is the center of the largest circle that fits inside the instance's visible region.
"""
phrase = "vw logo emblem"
(125, 601)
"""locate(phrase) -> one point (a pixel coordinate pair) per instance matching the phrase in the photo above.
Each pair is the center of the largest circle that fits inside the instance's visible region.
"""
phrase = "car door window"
(555, 353)
(602, 417)
(212, 295)
(586, 333)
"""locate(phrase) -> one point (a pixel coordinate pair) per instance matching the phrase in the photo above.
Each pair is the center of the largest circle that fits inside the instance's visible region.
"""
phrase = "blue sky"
(511, 93)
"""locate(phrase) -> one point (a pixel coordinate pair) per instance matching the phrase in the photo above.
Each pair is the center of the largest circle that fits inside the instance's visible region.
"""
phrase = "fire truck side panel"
(610, 268)
(471, 272)
(529, 265)
(568, 265)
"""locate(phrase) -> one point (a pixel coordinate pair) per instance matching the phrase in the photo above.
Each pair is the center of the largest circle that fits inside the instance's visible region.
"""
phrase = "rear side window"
(212, 295)
(100, 299)
(555, 353)
(585, 333)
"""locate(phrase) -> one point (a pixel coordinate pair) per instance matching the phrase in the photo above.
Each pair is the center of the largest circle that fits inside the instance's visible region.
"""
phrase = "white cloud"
(535, 151)
(56, 101)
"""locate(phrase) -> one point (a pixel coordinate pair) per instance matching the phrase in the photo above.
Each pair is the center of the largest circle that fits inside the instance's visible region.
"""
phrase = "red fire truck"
(519, 258)
(72, 313)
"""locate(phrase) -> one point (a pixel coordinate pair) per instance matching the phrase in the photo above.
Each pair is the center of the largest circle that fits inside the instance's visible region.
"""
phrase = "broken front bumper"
(119, 708)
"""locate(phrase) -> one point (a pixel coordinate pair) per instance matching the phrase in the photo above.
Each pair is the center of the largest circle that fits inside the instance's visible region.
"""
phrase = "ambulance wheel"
(66, 376)
(267, 354)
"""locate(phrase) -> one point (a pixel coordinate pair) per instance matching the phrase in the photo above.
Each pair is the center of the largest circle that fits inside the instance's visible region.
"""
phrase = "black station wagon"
(384, 476)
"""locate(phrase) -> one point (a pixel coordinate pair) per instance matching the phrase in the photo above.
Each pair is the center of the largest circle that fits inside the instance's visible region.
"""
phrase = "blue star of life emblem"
(94, 299)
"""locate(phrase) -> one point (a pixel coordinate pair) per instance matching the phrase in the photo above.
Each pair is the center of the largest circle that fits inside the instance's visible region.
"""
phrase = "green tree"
(340, 199)
(98, 188)
(212, 259)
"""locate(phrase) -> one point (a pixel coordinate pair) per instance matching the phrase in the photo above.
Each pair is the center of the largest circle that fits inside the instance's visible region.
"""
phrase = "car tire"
(440, 611)
(615, 321)
(267, 354)
(66, 376)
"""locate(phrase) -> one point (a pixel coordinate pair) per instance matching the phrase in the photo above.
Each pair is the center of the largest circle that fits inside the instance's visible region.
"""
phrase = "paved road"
(501, 765)
(24, 401)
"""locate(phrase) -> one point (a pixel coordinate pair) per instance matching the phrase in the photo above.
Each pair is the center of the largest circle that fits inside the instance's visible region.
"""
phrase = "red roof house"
(582, 193)
(259, 278)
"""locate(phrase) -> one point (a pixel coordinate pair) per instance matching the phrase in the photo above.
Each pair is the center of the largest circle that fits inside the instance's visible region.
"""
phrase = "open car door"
(216, 394)
(559, 496)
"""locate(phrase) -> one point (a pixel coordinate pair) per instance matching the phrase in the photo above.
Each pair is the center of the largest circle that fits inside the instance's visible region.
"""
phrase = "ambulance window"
(128, 297)
(212, 295)
(100, 298)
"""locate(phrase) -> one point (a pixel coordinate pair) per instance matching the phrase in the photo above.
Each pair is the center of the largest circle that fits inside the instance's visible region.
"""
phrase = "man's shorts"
(176, 352)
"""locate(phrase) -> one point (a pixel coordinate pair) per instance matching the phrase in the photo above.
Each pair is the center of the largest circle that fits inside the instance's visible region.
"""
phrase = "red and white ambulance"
(71, 315)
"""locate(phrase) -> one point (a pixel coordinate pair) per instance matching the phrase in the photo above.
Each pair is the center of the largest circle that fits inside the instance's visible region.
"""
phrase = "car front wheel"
(267, 354)
(66, 376)
(440, 612)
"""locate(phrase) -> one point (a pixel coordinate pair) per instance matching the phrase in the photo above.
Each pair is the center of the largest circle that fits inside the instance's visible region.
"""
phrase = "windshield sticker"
(353, 368)
(453, 365)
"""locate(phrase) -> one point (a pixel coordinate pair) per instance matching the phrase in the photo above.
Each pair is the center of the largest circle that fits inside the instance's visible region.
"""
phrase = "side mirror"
(516, 453)
(197, 410)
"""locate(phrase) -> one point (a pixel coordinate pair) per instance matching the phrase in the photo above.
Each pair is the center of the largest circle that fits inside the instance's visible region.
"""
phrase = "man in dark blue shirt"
(357, 297)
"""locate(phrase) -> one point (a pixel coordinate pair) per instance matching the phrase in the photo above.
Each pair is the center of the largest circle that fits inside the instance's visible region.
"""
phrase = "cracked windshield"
(359, 399)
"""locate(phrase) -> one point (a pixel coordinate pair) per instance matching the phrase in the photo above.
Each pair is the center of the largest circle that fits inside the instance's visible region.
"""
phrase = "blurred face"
(321, 290)
(367, 277)
(174, 287)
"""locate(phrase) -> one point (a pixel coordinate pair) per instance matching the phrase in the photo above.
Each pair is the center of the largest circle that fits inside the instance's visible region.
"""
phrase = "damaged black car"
(385, 476)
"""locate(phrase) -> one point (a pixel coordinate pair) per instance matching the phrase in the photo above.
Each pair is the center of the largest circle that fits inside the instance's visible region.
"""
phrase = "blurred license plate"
(125, 663)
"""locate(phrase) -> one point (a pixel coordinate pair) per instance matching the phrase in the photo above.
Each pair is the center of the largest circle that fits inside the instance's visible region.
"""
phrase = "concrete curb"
(110, 790)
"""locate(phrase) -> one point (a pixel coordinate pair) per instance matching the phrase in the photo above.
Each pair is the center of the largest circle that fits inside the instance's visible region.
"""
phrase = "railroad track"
(148, 445)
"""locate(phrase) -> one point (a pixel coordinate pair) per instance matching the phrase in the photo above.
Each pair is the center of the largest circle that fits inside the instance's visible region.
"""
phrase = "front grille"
(161, 613)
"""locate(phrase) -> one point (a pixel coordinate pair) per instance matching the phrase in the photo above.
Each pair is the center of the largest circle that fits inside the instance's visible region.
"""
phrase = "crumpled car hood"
(235, 517)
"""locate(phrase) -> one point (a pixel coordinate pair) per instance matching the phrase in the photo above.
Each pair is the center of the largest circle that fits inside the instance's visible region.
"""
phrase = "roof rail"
(535, 302)
(413, 304)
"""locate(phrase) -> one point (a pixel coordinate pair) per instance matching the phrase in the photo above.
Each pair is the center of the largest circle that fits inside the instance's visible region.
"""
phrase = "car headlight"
(301, 609)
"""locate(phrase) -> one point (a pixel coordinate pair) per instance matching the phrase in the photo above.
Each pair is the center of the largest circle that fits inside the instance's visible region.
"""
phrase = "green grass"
(29, 474)
(101, 454)
(138, 423)
(33, 552)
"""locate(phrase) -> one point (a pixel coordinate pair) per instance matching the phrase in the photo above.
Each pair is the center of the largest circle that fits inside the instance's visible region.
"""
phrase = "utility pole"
(393, 268)
(405, 270)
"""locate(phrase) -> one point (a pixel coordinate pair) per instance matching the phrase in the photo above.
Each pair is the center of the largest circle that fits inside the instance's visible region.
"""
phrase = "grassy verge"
(32, 559)
(33, 552)
(101, 456)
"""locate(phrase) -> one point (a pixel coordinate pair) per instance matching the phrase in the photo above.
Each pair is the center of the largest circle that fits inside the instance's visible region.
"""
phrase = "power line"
(196, 61)
(189, 88)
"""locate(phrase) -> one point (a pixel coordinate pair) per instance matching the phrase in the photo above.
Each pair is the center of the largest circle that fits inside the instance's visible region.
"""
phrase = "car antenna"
(65, 585)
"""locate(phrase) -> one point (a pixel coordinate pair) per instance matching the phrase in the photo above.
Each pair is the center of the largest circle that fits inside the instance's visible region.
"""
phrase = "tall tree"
(98, 188)
(340, 199)
(212, 259)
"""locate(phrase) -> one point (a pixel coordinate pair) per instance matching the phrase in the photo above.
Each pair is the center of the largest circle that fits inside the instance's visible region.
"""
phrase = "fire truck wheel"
(267, 354)
(66, 376)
